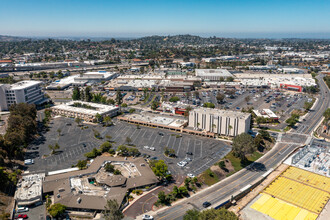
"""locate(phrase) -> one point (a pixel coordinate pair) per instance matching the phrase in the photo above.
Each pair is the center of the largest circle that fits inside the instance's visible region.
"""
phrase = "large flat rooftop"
(29, 189)
(95, 108)
(223, 113)
(24, 84)
(158, 119)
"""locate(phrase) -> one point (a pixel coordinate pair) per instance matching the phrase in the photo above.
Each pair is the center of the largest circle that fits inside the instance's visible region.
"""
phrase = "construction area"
(295, 194)
(314, 158)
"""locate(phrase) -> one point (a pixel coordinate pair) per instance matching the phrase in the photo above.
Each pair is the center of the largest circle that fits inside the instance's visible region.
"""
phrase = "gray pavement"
(75, 142)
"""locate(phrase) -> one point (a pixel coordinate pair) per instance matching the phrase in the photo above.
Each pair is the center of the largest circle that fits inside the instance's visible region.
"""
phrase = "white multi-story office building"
(20, 92)
(222, 122)
(213, 74)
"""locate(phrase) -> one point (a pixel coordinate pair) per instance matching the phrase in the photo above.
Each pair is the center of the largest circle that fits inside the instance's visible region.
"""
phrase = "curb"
(140, 198)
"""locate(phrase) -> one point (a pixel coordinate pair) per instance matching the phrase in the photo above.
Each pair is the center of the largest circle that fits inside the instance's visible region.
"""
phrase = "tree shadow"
(256, 167)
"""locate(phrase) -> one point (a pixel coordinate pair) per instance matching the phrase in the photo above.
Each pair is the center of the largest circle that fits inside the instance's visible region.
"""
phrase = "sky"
(135, 18)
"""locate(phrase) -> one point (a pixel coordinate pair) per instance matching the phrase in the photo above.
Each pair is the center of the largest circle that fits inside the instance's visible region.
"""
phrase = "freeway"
(224, 189)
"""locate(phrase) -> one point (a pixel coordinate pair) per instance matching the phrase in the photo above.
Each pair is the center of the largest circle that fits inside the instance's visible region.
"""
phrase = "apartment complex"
(221, 122)
(21, 92)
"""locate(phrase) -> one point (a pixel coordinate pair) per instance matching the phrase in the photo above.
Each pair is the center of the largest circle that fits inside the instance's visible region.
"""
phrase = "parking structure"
(75, 142)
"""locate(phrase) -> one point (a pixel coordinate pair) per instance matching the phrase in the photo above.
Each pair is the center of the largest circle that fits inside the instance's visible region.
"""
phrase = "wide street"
(223, 190)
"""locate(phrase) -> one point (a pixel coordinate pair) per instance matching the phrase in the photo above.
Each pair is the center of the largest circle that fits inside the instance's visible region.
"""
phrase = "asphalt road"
(315, 116)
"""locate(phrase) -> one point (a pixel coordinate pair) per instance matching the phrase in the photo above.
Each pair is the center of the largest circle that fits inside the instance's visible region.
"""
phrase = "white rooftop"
(24, 84)
(213, 72)
(29, 188)
(100, 108)
(223, 113)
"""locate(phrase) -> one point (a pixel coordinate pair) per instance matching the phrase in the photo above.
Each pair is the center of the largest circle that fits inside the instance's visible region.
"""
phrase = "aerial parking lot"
(199, 152)
(203, 152)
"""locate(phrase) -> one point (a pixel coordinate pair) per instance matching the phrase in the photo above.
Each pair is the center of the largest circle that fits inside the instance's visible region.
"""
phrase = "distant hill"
(5, 38)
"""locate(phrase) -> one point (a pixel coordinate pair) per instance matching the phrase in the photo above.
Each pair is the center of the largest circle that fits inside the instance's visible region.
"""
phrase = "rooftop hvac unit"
(78, 200)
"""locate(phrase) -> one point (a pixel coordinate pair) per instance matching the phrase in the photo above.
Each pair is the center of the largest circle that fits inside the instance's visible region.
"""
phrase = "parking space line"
(152, 133)
(168, 141)
(179, 146)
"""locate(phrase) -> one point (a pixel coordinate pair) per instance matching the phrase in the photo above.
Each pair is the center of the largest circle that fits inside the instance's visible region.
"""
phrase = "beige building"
(229, 123)
(84, 110)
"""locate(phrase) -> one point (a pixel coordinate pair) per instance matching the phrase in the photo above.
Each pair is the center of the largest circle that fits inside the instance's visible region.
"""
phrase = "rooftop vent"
(79, 200)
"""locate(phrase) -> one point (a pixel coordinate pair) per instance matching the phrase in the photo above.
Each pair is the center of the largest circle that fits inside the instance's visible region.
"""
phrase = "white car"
(28, 161)
(22, 209)
(146, 147)
(152, 148)
(147, 217)
(190, 175)
(180, 164)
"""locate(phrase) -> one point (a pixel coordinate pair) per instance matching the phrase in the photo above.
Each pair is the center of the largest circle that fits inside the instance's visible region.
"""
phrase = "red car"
(24, 216)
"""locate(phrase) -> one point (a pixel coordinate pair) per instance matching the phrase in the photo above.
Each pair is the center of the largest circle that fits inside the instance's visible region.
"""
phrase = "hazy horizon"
(140, 35)
(110, 18)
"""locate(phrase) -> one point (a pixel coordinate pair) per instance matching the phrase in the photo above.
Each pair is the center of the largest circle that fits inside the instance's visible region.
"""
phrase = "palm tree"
(78, 121)
(59, 132)
(213, 127)
(229, 128)
(107, 120)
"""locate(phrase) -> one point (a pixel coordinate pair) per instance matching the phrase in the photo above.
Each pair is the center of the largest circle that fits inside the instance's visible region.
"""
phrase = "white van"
(22, 209)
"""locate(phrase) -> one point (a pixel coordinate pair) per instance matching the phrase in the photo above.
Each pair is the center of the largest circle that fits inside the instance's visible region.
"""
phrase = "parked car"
(147, 217)
(190, 175)
(28, 161)
(189, 153)
(22, 209)
(23, 216)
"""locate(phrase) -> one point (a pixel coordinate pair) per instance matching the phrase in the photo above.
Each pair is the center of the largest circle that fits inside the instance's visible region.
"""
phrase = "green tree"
(160, 169)
(208, 105)
(132, 110)
(174, 99)
(53, 148)
(98, 117)
(107, 120)
(191, 214)
(88, 95)
(82, 164)
(109, 168)
(56, 210)
(220, 97)
(59, 132)
(76, 93)
(162, 197)
(222, 164)
(112, 211)
(116, 172)
(154, 105)
(105, 147)
(119, 98)
(243, 144)
(78, 121)
(217, 214)
(326, 114)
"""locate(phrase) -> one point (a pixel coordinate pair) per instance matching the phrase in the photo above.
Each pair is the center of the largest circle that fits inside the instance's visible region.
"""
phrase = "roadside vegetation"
(246, 150)
(216, 214)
